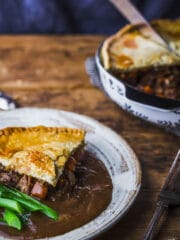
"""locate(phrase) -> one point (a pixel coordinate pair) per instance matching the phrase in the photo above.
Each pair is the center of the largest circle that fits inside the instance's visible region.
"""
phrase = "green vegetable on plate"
(12, 219)
(17, 204)
(11, 204)
(30, 203)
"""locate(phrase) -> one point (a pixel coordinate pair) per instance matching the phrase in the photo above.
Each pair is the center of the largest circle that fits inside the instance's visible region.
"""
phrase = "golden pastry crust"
(40, 152)
(169, 30)
(130, 49)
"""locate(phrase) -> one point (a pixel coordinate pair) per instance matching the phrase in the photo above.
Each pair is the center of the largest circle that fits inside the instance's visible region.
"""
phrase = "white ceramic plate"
(115, 153)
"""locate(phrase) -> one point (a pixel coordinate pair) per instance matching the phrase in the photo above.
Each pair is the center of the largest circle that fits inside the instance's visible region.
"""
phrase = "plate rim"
(138, 171)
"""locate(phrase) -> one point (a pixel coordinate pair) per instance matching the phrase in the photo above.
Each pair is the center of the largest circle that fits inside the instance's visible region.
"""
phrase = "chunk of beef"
(25, 184)
(39, 190)
(9, 178)
(4, 177)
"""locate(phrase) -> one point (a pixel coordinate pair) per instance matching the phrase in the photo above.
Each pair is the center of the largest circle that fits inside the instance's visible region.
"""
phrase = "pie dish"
(139, 53)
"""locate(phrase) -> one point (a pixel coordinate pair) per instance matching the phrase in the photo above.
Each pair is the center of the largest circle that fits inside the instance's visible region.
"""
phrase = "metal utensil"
(135, 17)
(169, 196)
(6, 102)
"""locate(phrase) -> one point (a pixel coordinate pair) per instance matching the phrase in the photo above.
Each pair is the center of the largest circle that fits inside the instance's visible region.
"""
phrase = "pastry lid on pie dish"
(129, 49)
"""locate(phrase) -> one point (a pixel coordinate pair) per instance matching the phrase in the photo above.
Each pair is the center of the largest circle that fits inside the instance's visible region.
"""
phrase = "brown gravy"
(89, 198)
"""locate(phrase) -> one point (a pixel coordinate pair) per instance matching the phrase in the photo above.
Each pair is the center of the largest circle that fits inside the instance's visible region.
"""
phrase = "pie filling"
(162, 81)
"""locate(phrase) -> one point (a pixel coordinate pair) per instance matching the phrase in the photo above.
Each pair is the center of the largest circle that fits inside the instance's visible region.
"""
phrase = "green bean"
(42, 207)
(30, 202)
(12, 219)
(11, 204)
(24, 203)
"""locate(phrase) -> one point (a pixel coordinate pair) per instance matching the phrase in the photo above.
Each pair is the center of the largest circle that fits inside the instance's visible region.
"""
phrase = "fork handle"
(150, 231)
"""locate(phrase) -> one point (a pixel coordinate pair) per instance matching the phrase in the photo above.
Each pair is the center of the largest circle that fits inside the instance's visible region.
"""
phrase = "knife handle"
(150, 231)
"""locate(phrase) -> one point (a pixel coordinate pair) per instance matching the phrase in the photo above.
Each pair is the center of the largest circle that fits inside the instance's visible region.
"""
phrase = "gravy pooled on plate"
(77, 204)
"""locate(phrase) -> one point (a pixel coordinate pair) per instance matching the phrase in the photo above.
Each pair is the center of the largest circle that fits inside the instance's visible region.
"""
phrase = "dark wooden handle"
(149, 234)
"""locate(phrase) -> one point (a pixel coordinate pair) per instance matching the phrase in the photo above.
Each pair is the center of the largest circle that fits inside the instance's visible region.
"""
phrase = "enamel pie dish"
(128, 51)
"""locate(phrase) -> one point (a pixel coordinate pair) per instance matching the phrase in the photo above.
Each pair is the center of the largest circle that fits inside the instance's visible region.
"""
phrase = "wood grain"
(48, 71)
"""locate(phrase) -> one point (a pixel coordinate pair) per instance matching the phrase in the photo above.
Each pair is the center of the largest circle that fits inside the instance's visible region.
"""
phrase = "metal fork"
(168, 196)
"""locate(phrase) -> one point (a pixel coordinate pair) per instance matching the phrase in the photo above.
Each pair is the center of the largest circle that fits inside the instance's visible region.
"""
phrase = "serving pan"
(160, 111)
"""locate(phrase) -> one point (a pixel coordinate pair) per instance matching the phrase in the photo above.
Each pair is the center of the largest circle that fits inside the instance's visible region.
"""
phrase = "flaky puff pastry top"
(129, 49)
(40, 152)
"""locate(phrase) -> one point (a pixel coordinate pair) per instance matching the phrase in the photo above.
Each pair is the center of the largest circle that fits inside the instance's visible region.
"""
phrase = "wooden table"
(48, 71)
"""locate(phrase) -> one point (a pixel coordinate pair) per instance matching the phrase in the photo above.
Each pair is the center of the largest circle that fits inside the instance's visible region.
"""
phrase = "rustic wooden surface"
(48, 71)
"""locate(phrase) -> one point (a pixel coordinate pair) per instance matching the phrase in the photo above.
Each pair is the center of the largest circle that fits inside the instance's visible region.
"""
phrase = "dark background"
(75, 16)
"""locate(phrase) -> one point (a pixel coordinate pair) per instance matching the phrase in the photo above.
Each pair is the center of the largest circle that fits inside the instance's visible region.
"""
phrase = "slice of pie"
(32, 159)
